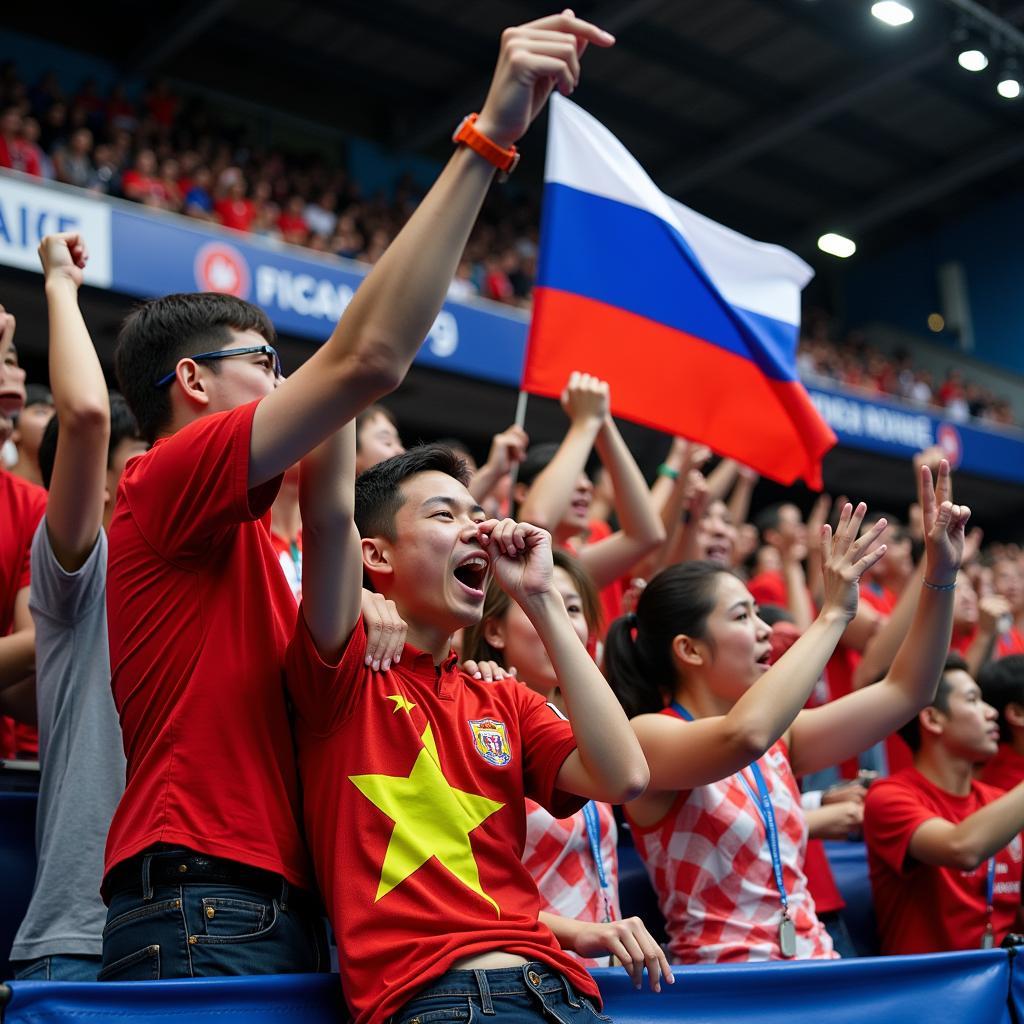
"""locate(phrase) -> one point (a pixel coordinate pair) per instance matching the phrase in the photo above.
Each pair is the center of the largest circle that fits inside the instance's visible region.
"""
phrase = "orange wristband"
(504, 159)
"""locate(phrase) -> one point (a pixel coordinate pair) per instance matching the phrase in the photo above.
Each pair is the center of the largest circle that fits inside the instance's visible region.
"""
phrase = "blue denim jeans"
(531, 994)
(196, 930)
(57, 968)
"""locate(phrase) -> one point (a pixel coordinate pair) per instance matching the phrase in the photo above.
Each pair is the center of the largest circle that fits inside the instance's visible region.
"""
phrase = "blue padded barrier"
(945, 988)
(950, 987)
(849, 863)
(271, 999)
(17, 866)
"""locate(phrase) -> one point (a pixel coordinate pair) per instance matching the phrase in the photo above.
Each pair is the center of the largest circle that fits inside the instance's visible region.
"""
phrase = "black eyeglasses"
(227, 353)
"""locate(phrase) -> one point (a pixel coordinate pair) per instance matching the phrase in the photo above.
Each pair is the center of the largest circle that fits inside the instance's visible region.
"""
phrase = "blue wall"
(899, 287)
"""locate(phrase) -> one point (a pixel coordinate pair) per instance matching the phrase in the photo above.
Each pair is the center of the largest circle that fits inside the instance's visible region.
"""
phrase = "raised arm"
(508, 449)
(683, 755)
(641, 530)
(371, 349)
(332, 562)
(994, 617)
(607, 763)
(970, 842)
(585, 401)
(827, 735)
(74, 510)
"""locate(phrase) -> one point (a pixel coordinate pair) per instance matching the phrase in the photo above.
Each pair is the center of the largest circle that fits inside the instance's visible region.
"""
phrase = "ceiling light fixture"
(892, 13)
(837, 245)
(1009, 81)
(972, 60)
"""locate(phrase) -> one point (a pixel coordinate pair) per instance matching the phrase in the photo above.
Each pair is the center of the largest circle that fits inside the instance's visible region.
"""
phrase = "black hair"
(372, 412)
(37, 394)
(1002, 683)
(772, 613)
(158, 333)
(123, 427)
(911, 732)
(537, 458)
(678, 600)
(768, 518)
(379, 488)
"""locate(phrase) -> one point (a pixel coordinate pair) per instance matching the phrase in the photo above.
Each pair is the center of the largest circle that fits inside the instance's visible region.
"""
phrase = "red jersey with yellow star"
(414, 786)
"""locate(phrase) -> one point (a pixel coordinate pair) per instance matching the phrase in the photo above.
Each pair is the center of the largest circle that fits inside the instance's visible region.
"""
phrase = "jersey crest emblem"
(490, 740)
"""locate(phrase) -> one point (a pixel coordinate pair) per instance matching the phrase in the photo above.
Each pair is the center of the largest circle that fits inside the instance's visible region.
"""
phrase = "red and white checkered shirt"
(558, 856)
(710, 864)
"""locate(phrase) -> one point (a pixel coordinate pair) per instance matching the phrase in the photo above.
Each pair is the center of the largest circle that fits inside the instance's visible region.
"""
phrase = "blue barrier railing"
(958, 988)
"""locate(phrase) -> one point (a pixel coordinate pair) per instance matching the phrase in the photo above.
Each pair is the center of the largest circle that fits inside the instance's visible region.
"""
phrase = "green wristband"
(666, 470)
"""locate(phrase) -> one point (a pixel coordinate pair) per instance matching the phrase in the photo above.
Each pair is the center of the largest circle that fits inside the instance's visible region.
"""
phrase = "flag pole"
(520, 421)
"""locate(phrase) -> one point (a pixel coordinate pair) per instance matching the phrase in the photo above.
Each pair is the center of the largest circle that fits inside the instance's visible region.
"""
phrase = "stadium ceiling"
(782, 118)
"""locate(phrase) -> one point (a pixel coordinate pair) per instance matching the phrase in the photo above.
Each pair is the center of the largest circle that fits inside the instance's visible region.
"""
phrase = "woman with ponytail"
(720, 827)
(573, 860)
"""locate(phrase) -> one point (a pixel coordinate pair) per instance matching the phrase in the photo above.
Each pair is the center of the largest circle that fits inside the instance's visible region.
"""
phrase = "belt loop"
(285, 891)
(570, 992)
(485, 992)
(147, 885)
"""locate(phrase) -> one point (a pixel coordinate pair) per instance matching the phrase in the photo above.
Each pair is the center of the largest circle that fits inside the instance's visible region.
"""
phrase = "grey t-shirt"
(80, 754)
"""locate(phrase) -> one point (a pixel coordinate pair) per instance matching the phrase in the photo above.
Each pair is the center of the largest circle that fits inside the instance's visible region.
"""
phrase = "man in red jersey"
(206, 868)
(432, 906)
(944, 850)
(21, 507)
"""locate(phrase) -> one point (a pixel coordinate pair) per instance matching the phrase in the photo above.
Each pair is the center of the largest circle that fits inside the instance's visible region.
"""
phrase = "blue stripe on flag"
(624, 256)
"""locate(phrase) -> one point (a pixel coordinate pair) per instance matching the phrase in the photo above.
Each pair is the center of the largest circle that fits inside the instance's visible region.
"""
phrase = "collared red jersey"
(414, 788)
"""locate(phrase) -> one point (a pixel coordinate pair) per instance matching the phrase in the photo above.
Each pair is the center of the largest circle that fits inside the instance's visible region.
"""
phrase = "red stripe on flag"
(673, 381)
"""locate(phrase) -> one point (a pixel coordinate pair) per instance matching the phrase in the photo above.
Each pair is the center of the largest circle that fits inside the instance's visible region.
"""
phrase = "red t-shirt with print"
(922, 908)
(199, 616)
(430, 769)
(22, 505)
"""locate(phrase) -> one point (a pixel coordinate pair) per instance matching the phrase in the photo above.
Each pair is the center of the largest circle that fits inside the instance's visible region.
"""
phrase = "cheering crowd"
(282, 667)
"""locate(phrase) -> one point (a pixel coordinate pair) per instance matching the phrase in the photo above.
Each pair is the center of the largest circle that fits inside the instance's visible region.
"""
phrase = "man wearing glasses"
(206, 870)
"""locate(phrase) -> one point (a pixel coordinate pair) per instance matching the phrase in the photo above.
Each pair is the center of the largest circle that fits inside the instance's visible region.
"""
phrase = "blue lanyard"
(990, 887)
(762, 799)
(594, 835)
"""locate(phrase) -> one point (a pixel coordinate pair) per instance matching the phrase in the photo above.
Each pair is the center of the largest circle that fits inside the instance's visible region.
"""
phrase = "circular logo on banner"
(948, 439)
(220, 267)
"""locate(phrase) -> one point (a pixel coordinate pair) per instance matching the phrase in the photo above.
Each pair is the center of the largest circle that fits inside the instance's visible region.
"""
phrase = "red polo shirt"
(414, 784)
(199, 617)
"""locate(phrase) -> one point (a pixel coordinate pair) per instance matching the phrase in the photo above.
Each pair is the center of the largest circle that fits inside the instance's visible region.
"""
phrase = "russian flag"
(693, 325)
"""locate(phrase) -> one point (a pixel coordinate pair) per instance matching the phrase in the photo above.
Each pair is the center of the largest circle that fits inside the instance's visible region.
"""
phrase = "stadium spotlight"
(837, 245)
(892, 13)
(1009, 81)
(972, 59)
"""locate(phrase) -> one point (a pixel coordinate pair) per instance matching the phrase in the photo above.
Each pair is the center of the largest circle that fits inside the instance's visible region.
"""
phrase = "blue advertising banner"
(303, 294)
(892, 428)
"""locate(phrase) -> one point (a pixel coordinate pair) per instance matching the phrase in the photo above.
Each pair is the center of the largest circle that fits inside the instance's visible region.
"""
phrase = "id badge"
(988, 940)
(787, 938)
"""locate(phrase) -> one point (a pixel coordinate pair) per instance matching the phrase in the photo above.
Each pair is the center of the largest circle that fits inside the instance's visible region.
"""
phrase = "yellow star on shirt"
(401, 703)
(432, 819)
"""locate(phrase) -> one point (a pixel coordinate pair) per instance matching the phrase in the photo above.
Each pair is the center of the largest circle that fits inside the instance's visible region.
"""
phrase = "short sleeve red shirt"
(430, 769)
(922, 908)
(1004, 770)
(22, 505)
(200, 615)
(1011, 642)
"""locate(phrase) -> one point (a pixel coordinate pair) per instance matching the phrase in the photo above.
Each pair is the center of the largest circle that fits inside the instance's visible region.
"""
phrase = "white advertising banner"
(29, 211)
